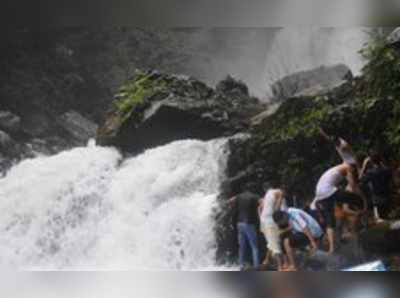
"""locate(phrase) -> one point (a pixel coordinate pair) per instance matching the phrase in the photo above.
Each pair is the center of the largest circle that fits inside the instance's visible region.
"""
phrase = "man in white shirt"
(273, 201)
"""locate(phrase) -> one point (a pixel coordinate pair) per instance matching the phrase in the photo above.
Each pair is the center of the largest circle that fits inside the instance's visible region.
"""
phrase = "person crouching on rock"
(299, 230)
(328, 194)
(246, 205)
(273, 201)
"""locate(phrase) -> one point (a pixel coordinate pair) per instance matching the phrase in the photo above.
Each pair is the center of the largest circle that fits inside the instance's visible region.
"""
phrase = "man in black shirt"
(246, 205)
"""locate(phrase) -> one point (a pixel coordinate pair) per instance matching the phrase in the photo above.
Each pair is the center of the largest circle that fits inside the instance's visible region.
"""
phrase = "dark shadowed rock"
(9, 121)
(5, 141)
(383, 238)
(312, 82)
(153, 109)
(78, 126)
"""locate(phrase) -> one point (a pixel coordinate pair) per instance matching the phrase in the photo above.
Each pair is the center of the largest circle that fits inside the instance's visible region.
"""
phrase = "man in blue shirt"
(299, 230)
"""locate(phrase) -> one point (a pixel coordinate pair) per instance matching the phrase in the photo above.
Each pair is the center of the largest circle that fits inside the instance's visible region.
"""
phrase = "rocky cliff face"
(154, 109)
(287, 147)
(62, 81)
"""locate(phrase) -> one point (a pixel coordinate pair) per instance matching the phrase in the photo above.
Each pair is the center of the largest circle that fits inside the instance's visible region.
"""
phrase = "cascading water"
(82, 209)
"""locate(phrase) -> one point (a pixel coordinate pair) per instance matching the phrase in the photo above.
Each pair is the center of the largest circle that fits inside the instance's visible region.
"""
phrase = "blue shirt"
(300, 220)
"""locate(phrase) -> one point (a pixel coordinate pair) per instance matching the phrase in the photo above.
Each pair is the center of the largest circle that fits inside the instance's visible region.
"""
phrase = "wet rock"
(312, 82)
(78, 126)
(384, 238)
(153, 109)
(5, 140)
(394, 37)
(9, 122)
(37, 123)
(11, 149)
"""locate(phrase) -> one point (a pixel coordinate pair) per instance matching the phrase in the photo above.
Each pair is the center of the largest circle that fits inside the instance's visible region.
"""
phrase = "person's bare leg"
(290, 254)
(377, 216)
(285, 261)
(267, 258)
(279, 261)
(330, 232)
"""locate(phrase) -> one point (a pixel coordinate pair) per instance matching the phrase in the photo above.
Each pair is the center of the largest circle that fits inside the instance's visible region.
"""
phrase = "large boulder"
(311, 83)
(394, 37)
(153, 109)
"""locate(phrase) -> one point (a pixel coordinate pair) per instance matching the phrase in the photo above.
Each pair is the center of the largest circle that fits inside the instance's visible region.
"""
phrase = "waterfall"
(88, 209)
(305, 48)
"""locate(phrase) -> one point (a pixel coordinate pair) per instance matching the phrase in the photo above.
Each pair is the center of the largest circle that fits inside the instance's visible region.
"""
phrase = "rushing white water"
(297, 49)
(82, 210)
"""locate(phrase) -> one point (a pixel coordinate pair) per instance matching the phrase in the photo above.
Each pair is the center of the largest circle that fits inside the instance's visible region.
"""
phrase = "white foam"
(80, 210)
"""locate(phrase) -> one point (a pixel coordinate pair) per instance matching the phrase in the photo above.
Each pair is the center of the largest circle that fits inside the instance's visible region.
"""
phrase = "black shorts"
(296, 240)
(299, 240)
(327, 206)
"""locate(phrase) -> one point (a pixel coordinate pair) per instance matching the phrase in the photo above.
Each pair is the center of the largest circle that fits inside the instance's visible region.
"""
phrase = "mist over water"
(82, 210)
(305, 48)
(261, 56)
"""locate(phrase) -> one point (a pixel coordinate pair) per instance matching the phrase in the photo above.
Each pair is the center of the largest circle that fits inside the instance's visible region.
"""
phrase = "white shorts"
(272, 235)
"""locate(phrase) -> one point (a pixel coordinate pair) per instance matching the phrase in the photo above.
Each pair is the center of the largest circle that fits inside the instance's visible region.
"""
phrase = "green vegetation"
(136, 92)
(287, 145)
(306, 123)
(373, 107)
(382, 72)
(381, 93)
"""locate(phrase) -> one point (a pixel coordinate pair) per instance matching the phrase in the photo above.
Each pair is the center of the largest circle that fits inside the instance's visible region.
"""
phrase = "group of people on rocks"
(347, 192)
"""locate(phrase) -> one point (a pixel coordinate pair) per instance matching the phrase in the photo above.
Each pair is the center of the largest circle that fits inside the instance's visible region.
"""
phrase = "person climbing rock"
(273, 201)
(299, 230)
(328, 193)
(245, 205)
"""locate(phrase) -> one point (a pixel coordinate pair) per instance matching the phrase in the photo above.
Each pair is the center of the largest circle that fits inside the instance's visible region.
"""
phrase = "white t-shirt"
(327, 186)
(269, 208)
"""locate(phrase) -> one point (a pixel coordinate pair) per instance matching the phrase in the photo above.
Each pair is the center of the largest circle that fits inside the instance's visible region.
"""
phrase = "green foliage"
(136, 92)
(304, 122)
(381, 94)
(382, 72)
(368, 117)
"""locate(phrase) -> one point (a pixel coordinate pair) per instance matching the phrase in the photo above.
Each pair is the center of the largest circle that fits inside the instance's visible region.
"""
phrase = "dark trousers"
(327, 206)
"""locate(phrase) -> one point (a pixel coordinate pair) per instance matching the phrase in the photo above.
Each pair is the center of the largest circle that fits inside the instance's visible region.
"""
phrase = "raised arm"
(331, 139)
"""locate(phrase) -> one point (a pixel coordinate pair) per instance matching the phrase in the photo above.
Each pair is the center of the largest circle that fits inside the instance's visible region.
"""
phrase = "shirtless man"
(273, 201)
(328, 194)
